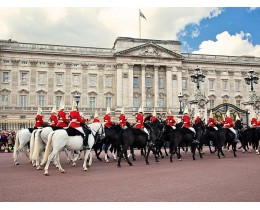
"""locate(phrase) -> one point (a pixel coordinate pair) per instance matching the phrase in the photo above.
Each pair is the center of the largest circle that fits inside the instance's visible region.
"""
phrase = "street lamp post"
(77, 98)
(197, 77)
(180, 96)
(251, 79)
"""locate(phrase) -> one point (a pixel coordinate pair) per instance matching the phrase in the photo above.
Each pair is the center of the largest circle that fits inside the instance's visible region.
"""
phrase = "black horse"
(135, 138)
(110, 141)
(227, 137)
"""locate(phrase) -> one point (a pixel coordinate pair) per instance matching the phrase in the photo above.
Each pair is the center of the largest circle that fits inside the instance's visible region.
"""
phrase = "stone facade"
(134, 71)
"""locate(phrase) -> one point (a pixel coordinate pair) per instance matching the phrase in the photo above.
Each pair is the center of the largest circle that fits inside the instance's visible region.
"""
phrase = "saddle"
(137, 131)
(32, 129)
(74, 132)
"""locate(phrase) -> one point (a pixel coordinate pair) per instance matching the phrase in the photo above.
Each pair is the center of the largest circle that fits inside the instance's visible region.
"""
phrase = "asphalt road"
(209, 179)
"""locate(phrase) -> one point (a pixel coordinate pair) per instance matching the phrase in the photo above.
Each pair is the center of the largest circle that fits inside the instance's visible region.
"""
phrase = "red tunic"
(76, 119)
(153, 118)
(53, 119)
(170, 120)
(258, 123)
(254, 122)
(62, 120)
(186, 121)
(39, 121)
(212, 122)
(228, 123)
(107, 120)
(139, 121)
(122, 120)
(96, 120)
(197, 120)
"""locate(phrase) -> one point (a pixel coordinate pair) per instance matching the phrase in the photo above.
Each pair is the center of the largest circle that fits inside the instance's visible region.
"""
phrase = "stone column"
(67, 78)
(51, 78)
(143, 86)
(156, 95)
(169, 86)
(130, 85)
(119, 84)
(85, 83)
(33, 98)
(14, 99)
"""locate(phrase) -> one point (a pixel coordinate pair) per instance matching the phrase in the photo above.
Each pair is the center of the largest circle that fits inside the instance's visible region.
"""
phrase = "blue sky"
(202, 28)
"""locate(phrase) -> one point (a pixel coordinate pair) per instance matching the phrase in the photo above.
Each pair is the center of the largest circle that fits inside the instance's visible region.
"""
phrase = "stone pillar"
(143, 86)
(51, 77)
(67, 77)
(85, 83)
(130, 85)
(119, 84)
(169, 87)
(33, 97)
(14, 99)
(156, 94)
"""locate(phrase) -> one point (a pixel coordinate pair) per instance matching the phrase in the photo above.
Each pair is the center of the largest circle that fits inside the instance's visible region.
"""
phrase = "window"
(24, 62)
(108, 81)
(135, 102)
(160, 82)
(6, 77)
(6, 61)
(58, 64)
(237, 85)
(224, 84)
(76, 79)
(93, 80)
(184, 84)
(148, 81)
(23, 101)
(149, 102)
(136, 81)
(238, 102)
(108, 102)
(92, 103)
(211, 84)
(4, 100)
(58, 100)
(161, 102)
(59, 78)
(211, 103)
(42, 78)
(184, 103)
(42, 63)
(24, 77)
(41, 101)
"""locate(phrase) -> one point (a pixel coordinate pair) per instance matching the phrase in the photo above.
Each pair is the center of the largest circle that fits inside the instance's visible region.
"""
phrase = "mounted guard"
(122, 119)
(96, 117)
(170, 120)
(53, 118)
(38, 119)
(62, 120)
(107, 119)
(187, 124)
(228, 123)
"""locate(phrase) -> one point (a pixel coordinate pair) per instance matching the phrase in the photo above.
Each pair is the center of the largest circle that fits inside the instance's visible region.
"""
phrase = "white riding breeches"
(173, 127)
(146, 131)
(234, 131)
(193, 130)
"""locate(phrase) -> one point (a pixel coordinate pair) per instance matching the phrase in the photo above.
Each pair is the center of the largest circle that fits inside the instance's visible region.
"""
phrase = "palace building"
(133, 72)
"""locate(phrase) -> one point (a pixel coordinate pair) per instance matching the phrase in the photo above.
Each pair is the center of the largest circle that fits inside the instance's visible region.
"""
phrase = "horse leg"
(132, 153)
(106, 155)
(147, 155)
(46, 168)
(257, 148)
(234, 144)
(77, 156)
(97, 153)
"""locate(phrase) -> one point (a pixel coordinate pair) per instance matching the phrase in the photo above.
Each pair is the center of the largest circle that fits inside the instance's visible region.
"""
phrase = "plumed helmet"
(169, 112)
(197, 114)
(186, 110)
(96, 114)
(74, 106)
(228, 113)
(54, 110)
(211, 114)
(62, 105)
(237, 117)
(108, 110)
(253, 115)
(141, 109)
(123, 110)
(39, 112)
(154, 112)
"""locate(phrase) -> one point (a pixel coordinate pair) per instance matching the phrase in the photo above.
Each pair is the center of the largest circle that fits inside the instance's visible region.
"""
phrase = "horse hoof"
(46, 174)
(16, 163)
(180, 159)
(257, 153)
(73, 164)
(107, 161)
(130, 164)
(39, 168)
(119, 166)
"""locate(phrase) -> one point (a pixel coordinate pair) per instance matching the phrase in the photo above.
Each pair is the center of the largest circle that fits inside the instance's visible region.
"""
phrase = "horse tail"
(37, 145)
(16, 145)
(32, 144)
(48, 148)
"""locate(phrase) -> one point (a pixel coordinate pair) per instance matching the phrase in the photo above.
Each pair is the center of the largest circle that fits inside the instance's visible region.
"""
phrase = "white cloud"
(227, 44)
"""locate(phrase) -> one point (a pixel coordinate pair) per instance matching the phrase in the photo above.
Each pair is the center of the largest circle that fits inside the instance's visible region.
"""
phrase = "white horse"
(37, 145)
(59, 139)
(22, 138)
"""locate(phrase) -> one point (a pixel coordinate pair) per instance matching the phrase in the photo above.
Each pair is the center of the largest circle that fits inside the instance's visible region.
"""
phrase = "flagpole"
(139, 24)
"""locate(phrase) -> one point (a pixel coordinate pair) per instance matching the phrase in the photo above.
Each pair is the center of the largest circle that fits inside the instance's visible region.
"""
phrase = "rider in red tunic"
(62, 120)
(122, 119)
(76, 119)
(96, 117)
(170, 120)
(228, 123)
(53, 118)
(198, 118)
(254, 123)
(153, 118)
(187, 124)
(211, 121)
(38, 119)
(107, 119)
(139, 120)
